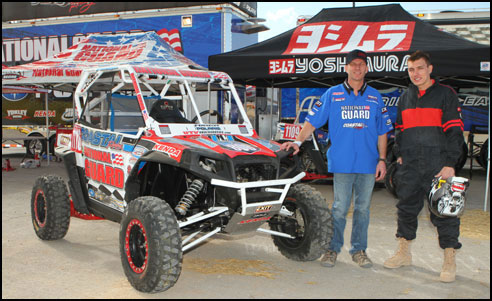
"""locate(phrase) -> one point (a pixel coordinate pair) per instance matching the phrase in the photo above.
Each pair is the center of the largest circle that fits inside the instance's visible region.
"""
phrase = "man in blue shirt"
(357, 125)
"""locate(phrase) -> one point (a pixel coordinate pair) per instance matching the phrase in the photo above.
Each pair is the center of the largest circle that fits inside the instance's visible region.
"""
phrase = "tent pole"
(487, 183)
(271, 111)
(47, 129)
(209, 95)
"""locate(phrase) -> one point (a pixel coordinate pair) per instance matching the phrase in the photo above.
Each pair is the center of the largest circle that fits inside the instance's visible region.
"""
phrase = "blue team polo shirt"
(354, 124)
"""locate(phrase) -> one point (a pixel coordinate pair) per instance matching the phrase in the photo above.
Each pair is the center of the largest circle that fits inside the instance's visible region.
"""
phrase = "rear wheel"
(50, 207)
(150, 245)
(310, 223)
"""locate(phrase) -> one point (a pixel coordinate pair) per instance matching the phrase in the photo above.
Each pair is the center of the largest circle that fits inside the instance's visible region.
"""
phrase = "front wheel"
(150, 245)
(50, 207)
(310, 223)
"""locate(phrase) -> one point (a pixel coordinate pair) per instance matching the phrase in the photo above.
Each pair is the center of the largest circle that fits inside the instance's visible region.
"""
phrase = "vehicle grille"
(255, 172)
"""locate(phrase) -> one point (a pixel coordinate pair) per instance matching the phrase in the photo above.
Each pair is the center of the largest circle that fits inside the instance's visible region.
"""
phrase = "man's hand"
(446, 172)
(288, 145)
(380, 170)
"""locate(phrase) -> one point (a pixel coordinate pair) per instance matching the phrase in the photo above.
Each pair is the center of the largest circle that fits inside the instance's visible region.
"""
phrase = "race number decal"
(291, 131)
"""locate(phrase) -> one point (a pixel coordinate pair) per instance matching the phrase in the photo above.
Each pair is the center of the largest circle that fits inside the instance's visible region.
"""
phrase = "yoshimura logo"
(345, 36)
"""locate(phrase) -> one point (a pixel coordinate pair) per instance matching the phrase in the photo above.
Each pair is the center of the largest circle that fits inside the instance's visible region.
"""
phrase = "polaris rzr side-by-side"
(141, 155)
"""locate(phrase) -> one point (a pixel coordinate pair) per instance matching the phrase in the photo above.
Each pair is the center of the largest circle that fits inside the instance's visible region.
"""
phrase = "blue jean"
(343, 185)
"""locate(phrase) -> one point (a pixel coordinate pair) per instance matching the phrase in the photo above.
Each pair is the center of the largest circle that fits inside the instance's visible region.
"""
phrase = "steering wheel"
(212, 113)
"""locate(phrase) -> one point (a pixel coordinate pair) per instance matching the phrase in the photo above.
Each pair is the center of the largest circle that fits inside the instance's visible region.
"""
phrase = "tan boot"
(448, 273)
(402, 257)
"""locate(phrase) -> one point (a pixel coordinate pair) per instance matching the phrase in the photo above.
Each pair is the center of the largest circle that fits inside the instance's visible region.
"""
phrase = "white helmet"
(447, 197)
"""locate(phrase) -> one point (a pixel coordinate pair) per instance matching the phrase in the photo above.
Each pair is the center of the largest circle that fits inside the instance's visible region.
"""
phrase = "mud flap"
(76, 184)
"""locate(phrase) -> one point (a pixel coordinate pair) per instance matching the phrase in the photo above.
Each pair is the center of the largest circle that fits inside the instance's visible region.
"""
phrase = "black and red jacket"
(431, 120)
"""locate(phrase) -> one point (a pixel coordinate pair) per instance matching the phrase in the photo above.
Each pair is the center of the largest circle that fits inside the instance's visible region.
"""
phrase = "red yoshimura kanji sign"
(345, 36)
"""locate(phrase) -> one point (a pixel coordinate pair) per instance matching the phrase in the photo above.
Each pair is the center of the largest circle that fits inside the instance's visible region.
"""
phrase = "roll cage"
(148, 84)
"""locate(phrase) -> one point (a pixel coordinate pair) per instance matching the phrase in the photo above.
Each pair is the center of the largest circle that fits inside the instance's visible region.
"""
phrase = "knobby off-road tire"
(50, 207)
(150, 245)
(311, 224)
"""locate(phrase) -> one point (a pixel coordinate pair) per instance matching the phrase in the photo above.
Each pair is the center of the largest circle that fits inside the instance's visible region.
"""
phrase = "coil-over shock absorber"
(189, 197)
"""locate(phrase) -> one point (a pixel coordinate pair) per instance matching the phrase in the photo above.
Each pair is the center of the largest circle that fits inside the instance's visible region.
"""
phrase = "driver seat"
(166, 111)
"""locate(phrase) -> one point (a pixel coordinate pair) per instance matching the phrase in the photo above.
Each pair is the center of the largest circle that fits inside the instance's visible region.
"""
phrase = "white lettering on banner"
(378, 63)
(38, 48)
(474, 101)
(281, 66)
(345, 36)
(32, 48)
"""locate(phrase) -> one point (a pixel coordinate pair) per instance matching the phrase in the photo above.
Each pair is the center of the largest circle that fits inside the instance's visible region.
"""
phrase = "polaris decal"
(102, 139)
(206, 129)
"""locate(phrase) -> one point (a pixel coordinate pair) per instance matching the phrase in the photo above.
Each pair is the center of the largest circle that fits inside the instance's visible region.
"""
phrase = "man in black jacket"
(429, 136)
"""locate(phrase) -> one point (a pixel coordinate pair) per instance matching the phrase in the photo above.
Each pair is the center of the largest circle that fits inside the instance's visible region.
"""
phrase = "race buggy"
(141, 155)
(312, 153)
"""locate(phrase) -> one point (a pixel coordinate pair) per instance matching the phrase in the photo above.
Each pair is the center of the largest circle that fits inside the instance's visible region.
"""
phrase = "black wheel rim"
(297, 225)
(40, 209)
(35, 145)
(136, 246)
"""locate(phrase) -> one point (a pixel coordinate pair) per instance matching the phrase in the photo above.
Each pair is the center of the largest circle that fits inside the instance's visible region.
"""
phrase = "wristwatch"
(298, 143)
(381, 159)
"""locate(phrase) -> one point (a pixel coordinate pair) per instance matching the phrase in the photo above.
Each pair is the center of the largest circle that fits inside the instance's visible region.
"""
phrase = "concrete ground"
(86, 263)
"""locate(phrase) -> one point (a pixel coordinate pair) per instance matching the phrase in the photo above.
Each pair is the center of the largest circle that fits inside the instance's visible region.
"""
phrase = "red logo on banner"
(345, 36)
(281, 66)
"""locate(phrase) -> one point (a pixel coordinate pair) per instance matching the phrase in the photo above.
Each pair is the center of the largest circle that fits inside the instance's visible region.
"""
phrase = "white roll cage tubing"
(166, 77)
(89, 77)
